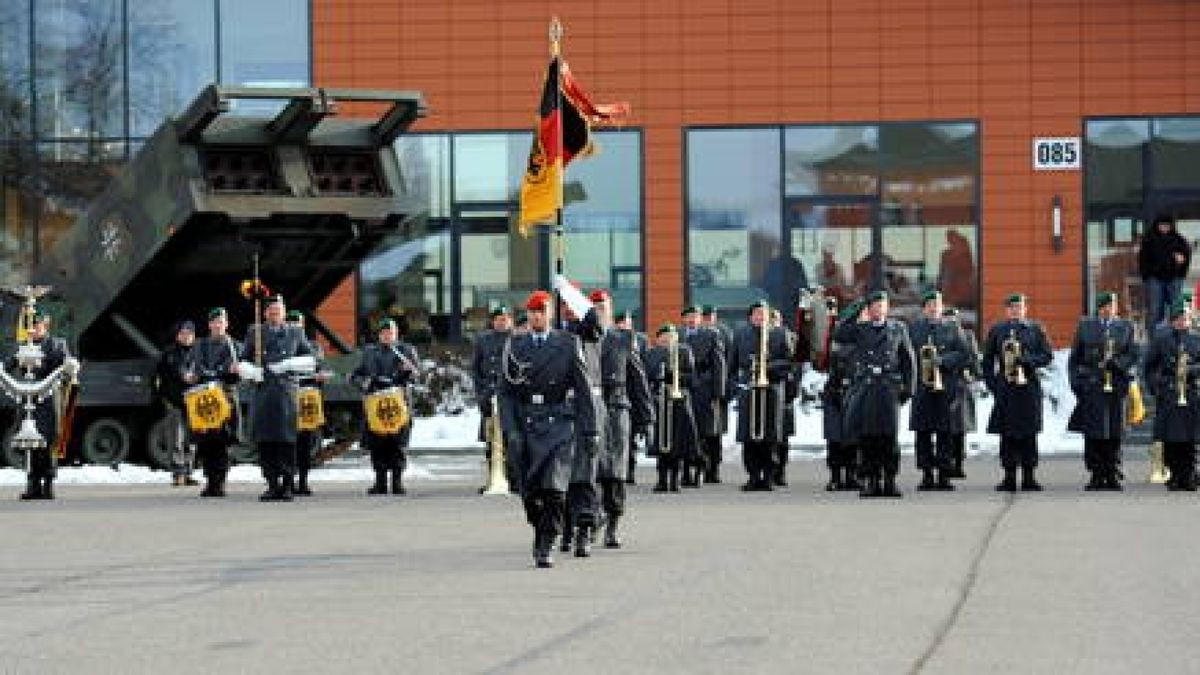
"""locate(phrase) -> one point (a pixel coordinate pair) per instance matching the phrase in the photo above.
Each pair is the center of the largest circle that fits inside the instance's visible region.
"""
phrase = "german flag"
(565, 118)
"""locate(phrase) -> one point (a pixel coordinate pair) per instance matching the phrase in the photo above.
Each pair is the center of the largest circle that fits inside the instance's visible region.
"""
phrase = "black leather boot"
(210, 483)
(1112, 479)
(33, 489)
(927, 482)
(1029, 480)
(850, 482)
(889, 487)
(380, 486)
(869, 487)
(302, 489)
(272, 492)
(835, 479)
(583, 541)
(1096, 482)
(780, 476)
(610, 533)
(674, 480)
(398, 483)
(543, 542)
(943, 480)
(1009, 484)
(48, 487)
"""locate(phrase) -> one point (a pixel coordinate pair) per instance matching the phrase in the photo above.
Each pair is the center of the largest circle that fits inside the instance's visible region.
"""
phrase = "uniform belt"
(543, 399)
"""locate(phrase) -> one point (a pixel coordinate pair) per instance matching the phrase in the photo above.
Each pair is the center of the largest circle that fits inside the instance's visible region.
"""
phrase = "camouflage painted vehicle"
(176, 232)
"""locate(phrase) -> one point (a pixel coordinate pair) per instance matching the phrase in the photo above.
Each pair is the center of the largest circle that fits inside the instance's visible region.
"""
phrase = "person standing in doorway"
(1163, 262)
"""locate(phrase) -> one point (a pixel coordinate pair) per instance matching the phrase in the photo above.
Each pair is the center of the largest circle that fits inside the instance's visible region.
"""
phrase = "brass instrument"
(675, 391)
(1109, 349)
(759, 388)
(1011, 358)
(497, 479)
(1181, 377)
(931, 375)
(1159, 473)
(664, 437)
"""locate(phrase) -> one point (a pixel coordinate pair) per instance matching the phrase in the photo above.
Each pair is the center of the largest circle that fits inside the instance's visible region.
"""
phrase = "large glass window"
(80, 69)
(172, 55)
(844, 207)
(14, 71)
(265, 42)
(462, 255)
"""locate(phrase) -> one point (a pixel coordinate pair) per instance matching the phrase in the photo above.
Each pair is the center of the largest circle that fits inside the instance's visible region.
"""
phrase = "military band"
(214, 363)
(388, 368)
(1171, 369)
(942, 354)
(707, 395)
(759, 366)
(672, 370)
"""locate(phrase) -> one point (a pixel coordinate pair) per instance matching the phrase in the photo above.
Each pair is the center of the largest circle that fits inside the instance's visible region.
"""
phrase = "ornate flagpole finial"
(556, 34)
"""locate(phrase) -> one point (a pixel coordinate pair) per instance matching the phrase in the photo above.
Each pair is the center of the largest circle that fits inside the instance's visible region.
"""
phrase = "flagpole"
(558, 241)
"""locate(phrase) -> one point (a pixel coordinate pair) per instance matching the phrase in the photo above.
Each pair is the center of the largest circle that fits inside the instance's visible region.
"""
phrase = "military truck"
(177, 230)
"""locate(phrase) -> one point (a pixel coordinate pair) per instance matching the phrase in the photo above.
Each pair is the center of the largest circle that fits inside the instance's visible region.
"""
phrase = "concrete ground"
(147, 578)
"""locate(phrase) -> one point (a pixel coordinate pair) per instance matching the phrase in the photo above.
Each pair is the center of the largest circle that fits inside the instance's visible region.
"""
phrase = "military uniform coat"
(383, 367)
(741, 378)
(938, 410)
(1017, 411)
(211, 362)
(1173, 423)
(485, 372)
(833, 396)
(883, 379)
(970, 373)
(589, 331)
(273, 406)
(545, 404)
(708, 390)
(1099, 414)
(726, 334)
(626, 400)
(684, 441)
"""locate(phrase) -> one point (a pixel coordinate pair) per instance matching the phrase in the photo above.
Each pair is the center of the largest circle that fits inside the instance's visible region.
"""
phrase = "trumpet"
(1109, 349)
(1181, 377)
(759, 388)
(497, 479)
(1011, 357)
(931, 376)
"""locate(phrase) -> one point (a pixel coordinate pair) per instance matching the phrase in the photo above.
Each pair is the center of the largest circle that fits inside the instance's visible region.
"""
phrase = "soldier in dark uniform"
(1013, 352)
(1100, 368)
(273, 417)
(545, 404)
(388, 363)
(707, 393)
(675, 439)
(942, 353)
(308, 441)
(967, 378)
(841, 450)
(791, 389)
(174, 374)
(1173, 359)
(624, 321)
(214, 359)
(760, 408)
(41, 466)
(714, 448)
(485, 372)
(883, 381)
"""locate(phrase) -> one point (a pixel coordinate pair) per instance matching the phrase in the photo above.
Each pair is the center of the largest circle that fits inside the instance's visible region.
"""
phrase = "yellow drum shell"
(386, 411)
(207, 407)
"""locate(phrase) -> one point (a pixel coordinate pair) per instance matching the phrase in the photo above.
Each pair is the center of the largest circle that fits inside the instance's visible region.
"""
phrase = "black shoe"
(943, 482)
(189, 481)
(398, 486)
(610, 534)
(780, 479)
(889, 487)
(542, 545)
(208, 489)
(927, 482)
(869, 488)
(661, 487)
(1029, 481)
(380, 486)
(32, 491)
(583, 542)
(1007, 485)
(565, 544)
(835, 480)
(1112, 481)
(1096, 482)
(631, 480)
(851, 483)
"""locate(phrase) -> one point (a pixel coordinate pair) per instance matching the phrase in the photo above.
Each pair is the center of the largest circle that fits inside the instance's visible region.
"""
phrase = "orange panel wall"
(1023, 69)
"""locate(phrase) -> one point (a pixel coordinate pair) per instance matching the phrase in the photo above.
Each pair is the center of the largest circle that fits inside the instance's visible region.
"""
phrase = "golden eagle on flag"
(565, 119)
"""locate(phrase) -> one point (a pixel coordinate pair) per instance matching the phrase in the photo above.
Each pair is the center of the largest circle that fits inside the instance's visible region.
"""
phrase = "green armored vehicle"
(176, 232)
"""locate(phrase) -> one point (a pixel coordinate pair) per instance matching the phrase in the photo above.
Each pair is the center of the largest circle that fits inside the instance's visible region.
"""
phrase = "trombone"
(497, 478)
(760, 385)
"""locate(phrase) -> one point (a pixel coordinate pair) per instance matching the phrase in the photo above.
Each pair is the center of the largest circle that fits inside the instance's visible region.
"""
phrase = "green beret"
(293, 315)
(929, 296)
(385, 324)
(876, 296)
(501, 310)
(1015, 298)
(666, 328)
(217, 313)
(690, 309)
(708, 309)
(521, 317)
(851, 310)
(1105, 298)
(1177, 309)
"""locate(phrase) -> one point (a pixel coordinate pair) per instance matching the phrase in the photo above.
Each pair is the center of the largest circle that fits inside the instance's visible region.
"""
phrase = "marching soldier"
(759, 378)
(714, 449)
(883, 381)
(627, 407)
(214, 359)
(308, 441)
(791, 393)
(174, 374)
(624, 321)
(485, 372)
(707, 393)
(282, 350)
(1103, 355)
(545, 405)
(672, 369)
(841, 450)
(387, 364)
(1014, 350)
(1171, 369)
(942, 353)
(41, 465)
(967, 378)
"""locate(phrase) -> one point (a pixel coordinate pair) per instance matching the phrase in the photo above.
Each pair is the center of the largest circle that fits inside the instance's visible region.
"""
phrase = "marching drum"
(387, 411)
(208, 407)
(310, 409)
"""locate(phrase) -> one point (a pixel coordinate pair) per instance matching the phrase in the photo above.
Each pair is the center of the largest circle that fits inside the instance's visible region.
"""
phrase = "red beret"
(598, 295)
(538, 300)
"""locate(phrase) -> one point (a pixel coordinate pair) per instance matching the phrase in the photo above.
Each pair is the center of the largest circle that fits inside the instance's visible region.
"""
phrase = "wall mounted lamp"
(1056, 231)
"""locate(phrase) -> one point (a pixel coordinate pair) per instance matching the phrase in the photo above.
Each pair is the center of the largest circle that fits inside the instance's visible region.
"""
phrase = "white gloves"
(295, 364)
(249, 372)
(574, 298)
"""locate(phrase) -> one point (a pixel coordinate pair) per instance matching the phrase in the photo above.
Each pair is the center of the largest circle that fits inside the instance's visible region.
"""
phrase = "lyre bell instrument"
(310, 409)
(1106, 362)
(1181, 377)
(1011, 352)
(497, 477)
(207, 406)
(931, 375)
(759, 387)
(386, 411)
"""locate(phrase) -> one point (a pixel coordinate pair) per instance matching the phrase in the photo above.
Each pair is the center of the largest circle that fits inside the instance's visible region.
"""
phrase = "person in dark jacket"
(175, 374)
(1012, 354)
(942, 353)
(387, 364)
(760, 380)
(716, 451)
(1100, 368)
(708, 392)
(841, 451)
(791, 389)
(675, 439)
(215, 361)
(968, 380)
(485, 373)
(883, 382)
(41, 466)
(308, 441)
(624, 321)
(1172, 368)
(1163, 261)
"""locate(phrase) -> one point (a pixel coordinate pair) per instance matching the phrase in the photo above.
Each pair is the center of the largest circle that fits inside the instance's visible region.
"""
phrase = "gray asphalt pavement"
(147, 578)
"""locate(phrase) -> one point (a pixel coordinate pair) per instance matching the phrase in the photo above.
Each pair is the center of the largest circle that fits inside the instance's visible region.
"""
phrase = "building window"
(172, 56)
(80, 78)
(264, 43)
(1137, 169)
(461, 255)
(844, 207)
